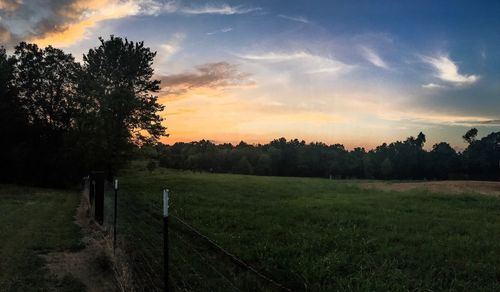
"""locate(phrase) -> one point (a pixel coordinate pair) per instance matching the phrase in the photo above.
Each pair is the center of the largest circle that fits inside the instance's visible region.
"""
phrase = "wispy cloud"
(223, 9)
(479, 122)
(220, 75)
(224, 30)
(10, 5)
(433, 86)
(309, 63)
(490, 122)
(276, 57)
(172, 46)
(448, 71)
(371, 56)
(294, 18)
(64, 22)
(76, 18)
(157, 7)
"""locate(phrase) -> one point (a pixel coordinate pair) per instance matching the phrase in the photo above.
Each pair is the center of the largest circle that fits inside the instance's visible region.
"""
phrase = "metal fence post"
(116, 209)
(92, 192)
(165, 238)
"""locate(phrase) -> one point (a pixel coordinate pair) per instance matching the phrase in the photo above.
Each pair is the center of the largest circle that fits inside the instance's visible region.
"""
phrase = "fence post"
(165, 238)
(99, 196)
(116, 209)
(92, 191)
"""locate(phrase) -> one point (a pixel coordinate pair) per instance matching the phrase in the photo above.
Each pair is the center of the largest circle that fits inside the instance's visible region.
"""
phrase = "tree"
(151, 166)
(243, 166)
(481, 158)
(470, 136)
(386, 168)
(443, 161)
(13, 125)
(263, 166)
(47, 84)
(368, 170)
(420, 141)
(118, 81)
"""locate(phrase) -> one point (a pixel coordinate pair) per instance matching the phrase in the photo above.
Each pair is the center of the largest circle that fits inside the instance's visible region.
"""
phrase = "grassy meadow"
(35, 221)
(311, 234)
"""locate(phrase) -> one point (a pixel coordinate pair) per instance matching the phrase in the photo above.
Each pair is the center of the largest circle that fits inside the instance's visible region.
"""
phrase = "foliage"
(398, 160)
(470, 136)
(64, 118)
(119, 84)
(151, 166)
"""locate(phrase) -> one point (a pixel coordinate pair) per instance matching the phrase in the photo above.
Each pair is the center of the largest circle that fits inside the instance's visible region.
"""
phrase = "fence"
(195, 261)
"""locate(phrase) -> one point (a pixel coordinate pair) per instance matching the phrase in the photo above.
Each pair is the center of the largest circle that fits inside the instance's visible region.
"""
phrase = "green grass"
(35, 221)
(315, 234)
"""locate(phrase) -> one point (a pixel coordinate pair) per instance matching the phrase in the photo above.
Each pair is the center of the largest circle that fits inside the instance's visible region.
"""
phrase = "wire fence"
(195, 261)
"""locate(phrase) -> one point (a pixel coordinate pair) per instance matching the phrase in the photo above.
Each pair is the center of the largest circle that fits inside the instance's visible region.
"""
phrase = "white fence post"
(165, 238)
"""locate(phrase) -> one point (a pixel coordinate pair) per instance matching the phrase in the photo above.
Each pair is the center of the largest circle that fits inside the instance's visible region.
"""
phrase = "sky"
(358, 73)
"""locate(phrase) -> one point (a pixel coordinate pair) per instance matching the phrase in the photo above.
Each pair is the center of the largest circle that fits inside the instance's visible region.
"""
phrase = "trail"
(91, 265)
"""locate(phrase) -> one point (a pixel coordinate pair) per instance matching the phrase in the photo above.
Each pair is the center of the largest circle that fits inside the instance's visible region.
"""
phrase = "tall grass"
(315, 234)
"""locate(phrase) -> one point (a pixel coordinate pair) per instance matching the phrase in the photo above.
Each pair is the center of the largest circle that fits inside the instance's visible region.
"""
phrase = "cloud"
(10, 5)
(433, 86)
(216, 76)
(447, 70)
(157, 7)
(224, 30)
(490, 122)
(308, 63)
(4, 35)
(223, 9)
(294, 18)
(482, 122)
(373, 57)
(172, 46)
(64, 22)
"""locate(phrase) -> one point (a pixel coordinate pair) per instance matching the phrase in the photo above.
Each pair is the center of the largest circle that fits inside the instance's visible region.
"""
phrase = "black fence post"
(98, 177)
(115, 214)
(165, 238)
(91, 189)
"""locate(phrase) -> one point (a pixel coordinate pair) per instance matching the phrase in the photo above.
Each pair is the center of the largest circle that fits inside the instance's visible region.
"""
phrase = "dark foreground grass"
(315, 234)
(32, 222)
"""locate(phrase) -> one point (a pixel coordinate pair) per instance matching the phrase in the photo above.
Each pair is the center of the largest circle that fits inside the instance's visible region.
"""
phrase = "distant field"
(490, 188)
(35, 221)
(314, 234)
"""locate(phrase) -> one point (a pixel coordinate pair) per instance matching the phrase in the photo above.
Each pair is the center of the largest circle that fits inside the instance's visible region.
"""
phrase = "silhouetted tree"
(13, 123)
(118, 81)
(64, 119)
(243, 166)
(46, 84)
(482, 157)
(443, 161)
(386, 168)
(398, 160)
(470, 136)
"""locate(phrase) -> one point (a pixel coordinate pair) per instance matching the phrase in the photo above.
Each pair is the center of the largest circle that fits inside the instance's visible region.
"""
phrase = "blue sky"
(358, 73)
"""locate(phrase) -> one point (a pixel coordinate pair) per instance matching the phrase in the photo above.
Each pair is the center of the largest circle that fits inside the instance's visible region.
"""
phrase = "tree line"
(59, 118)
(398, 160)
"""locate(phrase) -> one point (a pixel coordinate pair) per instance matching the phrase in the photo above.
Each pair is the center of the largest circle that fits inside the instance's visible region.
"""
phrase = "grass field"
(35, 221)
(313, 234)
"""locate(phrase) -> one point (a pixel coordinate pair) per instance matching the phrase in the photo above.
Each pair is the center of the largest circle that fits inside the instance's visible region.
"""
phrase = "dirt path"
(454, 187)
(91, 265)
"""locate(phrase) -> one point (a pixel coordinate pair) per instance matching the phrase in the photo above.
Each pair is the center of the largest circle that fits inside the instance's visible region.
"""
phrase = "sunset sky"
(353, 72)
